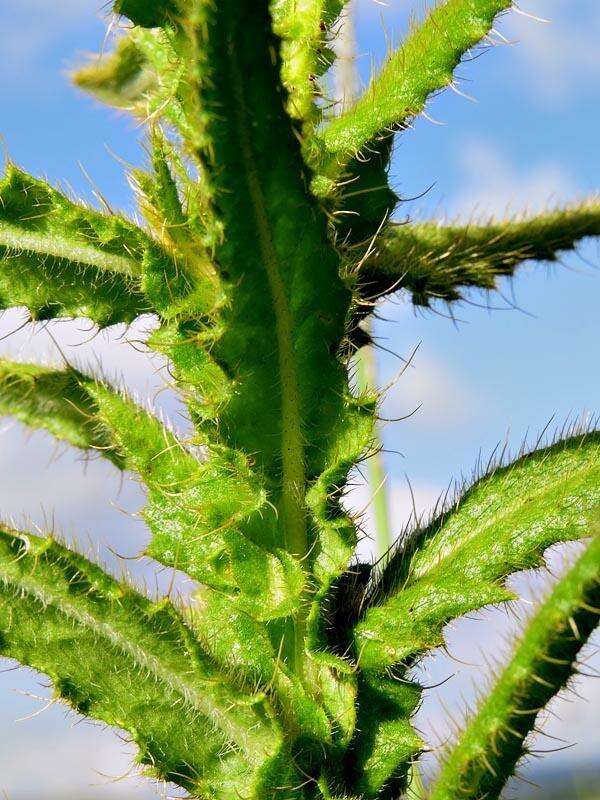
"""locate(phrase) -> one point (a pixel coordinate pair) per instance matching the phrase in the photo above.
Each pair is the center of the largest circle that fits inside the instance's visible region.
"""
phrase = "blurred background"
(501, 370)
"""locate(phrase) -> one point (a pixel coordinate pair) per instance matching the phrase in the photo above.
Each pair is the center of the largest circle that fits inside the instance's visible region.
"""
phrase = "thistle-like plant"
(267, 238)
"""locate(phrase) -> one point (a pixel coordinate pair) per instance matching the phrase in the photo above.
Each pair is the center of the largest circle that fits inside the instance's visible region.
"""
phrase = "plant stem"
(377, 477)
(347, 84)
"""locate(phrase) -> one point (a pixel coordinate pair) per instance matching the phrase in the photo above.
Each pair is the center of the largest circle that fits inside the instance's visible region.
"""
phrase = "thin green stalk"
(377, 477)
(347, 87)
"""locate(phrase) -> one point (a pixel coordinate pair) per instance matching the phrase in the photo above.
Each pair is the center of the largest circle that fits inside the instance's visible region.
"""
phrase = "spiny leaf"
(237, 642)
(305, 30)
(173, 204)
(364, 201)
(493, 742)
(455, 565)
(60, 259)
(194, 506)
(141, 74)
(121, 78)
(206, 514)
(243, 272)
(260, 367)
(267, 366)
(432, 260)
(57, 401)
(423, 64)
(502, 524)
(378, 760)
(115, 656)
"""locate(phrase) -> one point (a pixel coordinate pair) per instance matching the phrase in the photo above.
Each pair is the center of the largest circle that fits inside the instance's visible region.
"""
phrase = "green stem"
(377, 478)
(292, 510)
(346, 89)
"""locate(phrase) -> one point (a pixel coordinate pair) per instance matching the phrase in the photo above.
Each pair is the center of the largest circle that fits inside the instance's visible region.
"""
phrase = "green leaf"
(206, 514)
(195, 507)
(435, 261)
(56, 401)
(266, 365)
(455, 565)
(172, 202)
(241, 645)
(458, 563)
(59, 259)
(123, 78)
(378, 760)
(423, 64)
(305, 31)
(115, 656)
(488, 750)
(142, 74)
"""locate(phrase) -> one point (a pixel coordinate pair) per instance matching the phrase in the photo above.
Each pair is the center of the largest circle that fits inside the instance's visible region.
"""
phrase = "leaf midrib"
(145, 662)
(500, 518)
(17, 241)
(292, 510)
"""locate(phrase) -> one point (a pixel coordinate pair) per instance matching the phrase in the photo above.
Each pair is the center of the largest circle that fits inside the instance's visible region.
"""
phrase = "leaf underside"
(115, 656)
(456, 565)
(59, 259)
(434, 261)
(494, 740)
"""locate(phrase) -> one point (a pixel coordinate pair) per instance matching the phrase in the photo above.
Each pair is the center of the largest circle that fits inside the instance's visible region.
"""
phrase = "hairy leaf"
(122, 78)
(266, 364)
(195, 506)
(202, 511)
(493, 742)
(141, 74)
(432, 260)
(117, 657)
(305, 31)
(59, 259)
(57, 401)
(424, 64)
(378, 760)
(457, 564)
(289, 679)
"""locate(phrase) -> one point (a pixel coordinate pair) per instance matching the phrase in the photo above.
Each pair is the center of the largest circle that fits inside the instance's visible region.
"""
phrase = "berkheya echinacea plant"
(267, 237)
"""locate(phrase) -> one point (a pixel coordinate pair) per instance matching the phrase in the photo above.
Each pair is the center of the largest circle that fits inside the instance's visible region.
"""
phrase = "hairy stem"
(293, 506)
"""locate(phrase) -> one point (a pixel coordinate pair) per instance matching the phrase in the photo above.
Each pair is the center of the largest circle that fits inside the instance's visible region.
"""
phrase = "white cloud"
(443, 397)
(555, 56)
(493, 185)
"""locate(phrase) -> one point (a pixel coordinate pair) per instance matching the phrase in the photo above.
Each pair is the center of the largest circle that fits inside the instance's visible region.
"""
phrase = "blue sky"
(529, 140)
